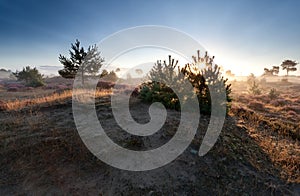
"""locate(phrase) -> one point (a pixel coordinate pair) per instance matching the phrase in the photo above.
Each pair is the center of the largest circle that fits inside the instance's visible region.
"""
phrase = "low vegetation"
(272, 120)
(205, 81)
(55, 98)
(258, 151)
(31, 77)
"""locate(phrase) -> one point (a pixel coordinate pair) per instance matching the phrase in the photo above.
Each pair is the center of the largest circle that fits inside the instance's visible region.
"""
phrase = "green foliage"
(81, 61)
(156, 90)
(273, 94)
(30, 76)
(204, 82)
(207, 82)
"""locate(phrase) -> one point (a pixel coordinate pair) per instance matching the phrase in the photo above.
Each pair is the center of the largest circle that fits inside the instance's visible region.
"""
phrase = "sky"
(245, 36)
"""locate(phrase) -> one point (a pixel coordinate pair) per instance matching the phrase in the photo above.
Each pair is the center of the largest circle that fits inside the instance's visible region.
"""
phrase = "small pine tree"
(251, 78)
(80, 61)
(254, 88)
(203, 81)
(273, 93)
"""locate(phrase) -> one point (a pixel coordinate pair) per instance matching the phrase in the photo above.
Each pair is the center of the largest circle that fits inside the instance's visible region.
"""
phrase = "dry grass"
(33, 140)
(80, 94)
(274, 125)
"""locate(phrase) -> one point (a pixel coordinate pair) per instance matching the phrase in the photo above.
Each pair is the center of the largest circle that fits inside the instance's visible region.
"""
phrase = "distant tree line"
(287, 65)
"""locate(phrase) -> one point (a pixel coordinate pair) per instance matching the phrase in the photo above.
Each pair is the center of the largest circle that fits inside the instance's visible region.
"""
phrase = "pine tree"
(81, 61)
(163, 72)
(289, 65)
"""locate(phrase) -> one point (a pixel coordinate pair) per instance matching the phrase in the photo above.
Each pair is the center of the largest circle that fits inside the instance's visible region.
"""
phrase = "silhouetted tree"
(289, 65)
(111, 76)
(163, 72)
(104, 73)
(204, 81)
(267, 72)
(275, 70)
(30, 76)
(271, 72)
(80, 60)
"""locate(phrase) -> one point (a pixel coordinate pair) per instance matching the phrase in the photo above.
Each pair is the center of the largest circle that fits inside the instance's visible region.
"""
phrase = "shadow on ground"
(41, 153)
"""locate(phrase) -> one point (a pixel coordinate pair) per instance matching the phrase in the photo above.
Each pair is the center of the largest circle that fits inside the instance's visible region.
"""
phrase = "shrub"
(30, 76)
(273, 94)
(158, 92)
(254, 88)
(104, 85)
(204, 82)
(251, 79)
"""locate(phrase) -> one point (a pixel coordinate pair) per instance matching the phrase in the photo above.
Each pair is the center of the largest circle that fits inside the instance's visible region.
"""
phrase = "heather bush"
(294, 108)
(291, 113)
(15, 85)
(278, 102)
(255, 105)
(12, 89)
(2, 105)
(104, 85)
(262, 98)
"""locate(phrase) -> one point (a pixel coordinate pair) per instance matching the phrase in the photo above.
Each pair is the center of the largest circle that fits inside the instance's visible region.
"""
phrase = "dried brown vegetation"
(258, 151)
(274, 125)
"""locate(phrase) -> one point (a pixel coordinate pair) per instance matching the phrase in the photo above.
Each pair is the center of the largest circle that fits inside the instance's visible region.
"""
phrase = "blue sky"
(245, 36)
